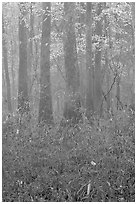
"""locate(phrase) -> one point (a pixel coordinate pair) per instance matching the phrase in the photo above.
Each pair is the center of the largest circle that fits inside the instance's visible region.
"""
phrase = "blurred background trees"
(63, 60)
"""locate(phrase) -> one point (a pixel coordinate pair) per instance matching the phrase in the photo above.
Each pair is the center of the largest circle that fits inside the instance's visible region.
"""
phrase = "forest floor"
(78, 163)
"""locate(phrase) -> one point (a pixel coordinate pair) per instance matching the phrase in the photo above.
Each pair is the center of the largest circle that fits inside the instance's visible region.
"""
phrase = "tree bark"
(133, 50)
(98, 91)
(5, 63)
(89, 64)
(31, 56)
(71, 65)
(106, 63)
(13, 75)
(23, 75)
(70, 51)
(30, 47)
(45, 105)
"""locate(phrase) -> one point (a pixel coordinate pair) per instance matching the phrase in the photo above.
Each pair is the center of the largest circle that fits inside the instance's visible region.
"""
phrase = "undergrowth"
(75, 163)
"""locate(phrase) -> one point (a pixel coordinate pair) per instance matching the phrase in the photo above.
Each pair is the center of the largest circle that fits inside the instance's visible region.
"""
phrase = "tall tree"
(5, 63)
(133, 48)
(13, 73)
(133, 29)
(23, 75)
(118, 78)
(89, 64)
(98, 32)
(13, 53)
(106, 30)
(45, 105)
(71, 62)
(30, 51)
(4, 94)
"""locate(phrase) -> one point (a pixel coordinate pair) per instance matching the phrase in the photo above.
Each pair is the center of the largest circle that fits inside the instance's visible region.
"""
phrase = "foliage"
(79, 163)
(76, 158)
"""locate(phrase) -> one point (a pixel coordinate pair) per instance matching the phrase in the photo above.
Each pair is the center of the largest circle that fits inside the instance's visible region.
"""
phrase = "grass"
(78, 163)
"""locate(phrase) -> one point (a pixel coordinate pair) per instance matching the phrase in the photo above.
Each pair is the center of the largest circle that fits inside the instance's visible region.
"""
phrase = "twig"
(59, 69)
(104, 96)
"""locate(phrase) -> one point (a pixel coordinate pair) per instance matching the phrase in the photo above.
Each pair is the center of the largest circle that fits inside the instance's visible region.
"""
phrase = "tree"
(70, 51)
(133, 29)
(90, 44)
(133, 48)
(106, 31)
(89, 64)
(30, 51)
(23, 75)
(45, 104)
(13, 54)
(5, 64)
(30, 44)
(98, 32)
(71, 64)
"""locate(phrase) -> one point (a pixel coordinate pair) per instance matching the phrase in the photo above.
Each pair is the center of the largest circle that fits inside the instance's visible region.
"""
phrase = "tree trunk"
(118, 102)
(71, 64)
(13, 74)
(4, 95)
(5, 63)
(133, 28)
(45, 105)
(98, 91)
(133, 48)
(89, 64)
(14, 59)
(70, 51)
(106, 63)
(31, 56)
(30, 48)
(23, 75)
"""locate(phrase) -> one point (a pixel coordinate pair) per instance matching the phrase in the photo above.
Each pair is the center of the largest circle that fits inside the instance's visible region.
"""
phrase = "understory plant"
(80, 162)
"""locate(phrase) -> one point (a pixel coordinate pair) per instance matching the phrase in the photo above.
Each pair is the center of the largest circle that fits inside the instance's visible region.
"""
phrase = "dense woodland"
(68, 101)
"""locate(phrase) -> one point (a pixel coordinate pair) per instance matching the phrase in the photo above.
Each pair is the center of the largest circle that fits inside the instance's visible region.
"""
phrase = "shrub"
(43, 164)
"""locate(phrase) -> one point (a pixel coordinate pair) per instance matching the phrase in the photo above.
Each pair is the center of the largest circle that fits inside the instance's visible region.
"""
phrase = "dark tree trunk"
(72, 103)
(30, 47)
(70, 51)
(23, 75)
(31, 56)
(45, 105)
(98, 90)
(106, 63)
(89, 65)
